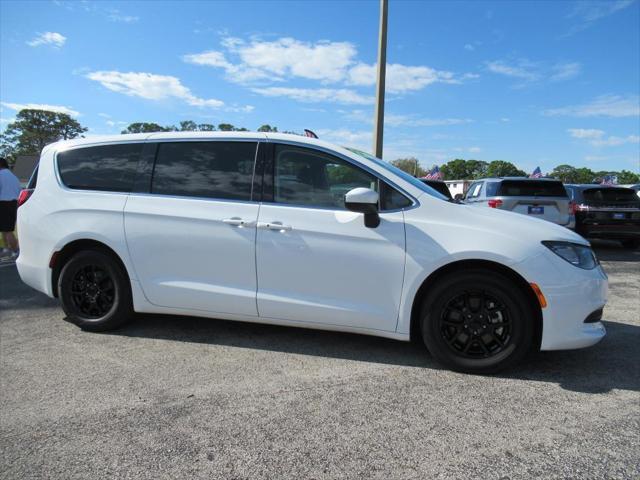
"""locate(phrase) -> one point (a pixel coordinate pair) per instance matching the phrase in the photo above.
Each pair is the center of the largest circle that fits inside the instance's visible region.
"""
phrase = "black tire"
(490, 331)
(631, 244)
(95, 291)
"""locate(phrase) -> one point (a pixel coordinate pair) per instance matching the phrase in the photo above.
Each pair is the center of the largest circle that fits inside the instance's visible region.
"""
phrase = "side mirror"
(364, 200)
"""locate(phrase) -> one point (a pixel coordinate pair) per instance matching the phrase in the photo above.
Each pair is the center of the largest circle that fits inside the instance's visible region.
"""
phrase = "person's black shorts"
(8, 212)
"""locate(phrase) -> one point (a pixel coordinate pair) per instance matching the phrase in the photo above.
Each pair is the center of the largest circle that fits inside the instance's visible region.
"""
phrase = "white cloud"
(117, 16)
(400, 78)
(469, 47)
(396, 120)
(413, 121)
(614, 141)
(276, 60)
(48, 38)
(150, 87)
(530, 72)
(585, 133)
(360, 138)
(260, 63)
(597, 137)
(474, 149)
(602, 106)
(565, 71)
(42, 106)
(588, 13)
(522, 70)
(325, 61)
(313, 95)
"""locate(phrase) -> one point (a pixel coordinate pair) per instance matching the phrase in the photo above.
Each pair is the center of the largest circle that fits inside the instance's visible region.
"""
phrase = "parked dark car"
(607, 212)
(439, 186)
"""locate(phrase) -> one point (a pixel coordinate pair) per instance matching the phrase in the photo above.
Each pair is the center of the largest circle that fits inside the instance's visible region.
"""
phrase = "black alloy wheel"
(478, 321)
(95, 291)
(92, 291)
(474, 324)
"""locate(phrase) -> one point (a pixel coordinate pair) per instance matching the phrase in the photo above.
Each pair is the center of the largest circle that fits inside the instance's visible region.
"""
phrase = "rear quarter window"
(105, 168)
(492, 189)
(531, 188)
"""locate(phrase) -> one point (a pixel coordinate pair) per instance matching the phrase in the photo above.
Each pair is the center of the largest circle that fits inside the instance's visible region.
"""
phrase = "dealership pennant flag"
(310, 134)
(537, 173)
(434, 174)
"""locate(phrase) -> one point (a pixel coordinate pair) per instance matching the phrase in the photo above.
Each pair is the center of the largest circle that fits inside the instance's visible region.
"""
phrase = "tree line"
(33, 129)
(459, 169)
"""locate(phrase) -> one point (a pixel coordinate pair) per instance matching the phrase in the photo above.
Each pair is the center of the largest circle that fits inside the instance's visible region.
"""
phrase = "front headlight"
(579, 255)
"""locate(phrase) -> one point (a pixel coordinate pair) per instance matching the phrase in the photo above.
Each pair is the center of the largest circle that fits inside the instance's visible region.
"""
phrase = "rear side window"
(610, 195)
(107, 168)
(531, 188)
(492, 189)
(221, 170)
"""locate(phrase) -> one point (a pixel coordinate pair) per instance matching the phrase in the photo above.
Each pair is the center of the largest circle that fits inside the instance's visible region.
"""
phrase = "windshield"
(402, 174)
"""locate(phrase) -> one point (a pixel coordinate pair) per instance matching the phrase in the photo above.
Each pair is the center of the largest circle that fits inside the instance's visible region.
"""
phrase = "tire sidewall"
(503, 289)
(121, 307)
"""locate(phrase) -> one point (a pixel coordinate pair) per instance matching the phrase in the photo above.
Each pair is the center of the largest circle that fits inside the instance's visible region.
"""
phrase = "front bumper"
(572, 295)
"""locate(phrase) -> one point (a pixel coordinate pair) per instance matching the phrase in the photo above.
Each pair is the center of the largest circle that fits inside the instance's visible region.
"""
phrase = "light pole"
(378, 120)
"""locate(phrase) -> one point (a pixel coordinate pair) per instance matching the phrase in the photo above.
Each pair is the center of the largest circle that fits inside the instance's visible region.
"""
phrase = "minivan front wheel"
(477, 322)
(95, 292)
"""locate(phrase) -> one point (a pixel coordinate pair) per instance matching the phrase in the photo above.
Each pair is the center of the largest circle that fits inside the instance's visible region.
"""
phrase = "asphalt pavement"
(176, 397)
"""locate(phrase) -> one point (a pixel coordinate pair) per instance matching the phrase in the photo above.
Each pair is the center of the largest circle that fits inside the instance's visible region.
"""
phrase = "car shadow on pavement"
(610, 365)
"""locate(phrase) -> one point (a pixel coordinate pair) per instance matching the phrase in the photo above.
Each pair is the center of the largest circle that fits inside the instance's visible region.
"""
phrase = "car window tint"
(531, 188)
(492, 189)
(438, 186)
(474, 190)
(210, 169)
(608, 194)
(391, 199)
(308, 177)
(107, 168)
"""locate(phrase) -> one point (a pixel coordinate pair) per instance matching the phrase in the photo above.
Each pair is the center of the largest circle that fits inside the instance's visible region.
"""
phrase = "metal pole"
(378, 120)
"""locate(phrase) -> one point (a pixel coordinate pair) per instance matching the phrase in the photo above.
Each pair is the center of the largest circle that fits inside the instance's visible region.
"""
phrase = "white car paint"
(300, 266)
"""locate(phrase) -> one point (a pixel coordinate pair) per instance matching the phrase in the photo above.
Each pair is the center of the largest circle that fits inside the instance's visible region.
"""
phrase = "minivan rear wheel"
(477, 322)
(94, 291)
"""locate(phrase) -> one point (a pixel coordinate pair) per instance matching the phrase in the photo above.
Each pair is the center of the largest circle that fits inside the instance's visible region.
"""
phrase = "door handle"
(237, 222)
(274, 226)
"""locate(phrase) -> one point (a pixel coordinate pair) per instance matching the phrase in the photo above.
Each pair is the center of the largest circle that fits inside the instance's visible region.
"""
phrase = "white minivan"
(290, 230)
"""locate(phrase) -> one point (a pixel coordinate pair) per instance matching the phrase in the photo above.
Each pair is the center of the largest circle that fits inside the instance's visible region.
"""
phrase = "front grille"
(594, 317)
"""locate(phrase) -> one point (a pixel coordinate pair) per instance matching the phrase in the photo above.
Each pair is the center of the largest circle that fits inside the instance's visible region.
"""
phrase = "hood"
(494, 222)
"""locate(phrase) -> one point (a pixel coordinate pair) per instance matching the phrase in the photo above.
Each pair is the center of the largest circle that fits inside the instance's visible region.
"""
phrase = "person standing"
(9, 191)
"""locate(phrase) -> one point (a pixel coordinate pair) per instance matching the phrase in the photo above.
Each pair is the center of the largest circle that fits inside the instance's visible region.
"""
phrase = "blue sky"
(535, 83)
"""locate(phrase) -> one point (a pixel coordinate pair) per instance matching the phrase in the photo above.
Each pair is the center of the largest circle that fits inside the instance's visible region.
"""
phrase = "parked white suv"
(294, 231)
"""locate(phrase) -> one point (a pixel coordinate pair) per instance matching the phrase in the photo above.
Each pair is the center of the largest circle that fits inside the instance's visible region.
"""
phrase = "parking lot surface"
(195, 398)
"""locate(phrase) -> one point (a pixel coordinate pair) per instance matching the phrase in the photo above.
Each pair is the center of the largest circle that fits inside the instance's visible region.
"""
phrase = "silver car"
(542, 198)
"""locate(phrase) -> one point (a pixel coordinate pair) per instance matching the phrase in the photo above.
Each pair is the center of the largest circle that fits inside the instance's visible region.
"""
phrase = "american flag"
(537, 173)
(434, 174)
(309, 133)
